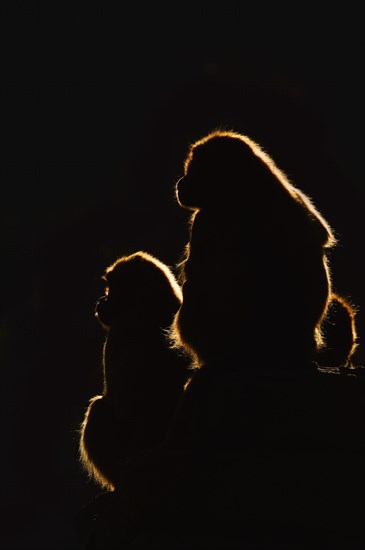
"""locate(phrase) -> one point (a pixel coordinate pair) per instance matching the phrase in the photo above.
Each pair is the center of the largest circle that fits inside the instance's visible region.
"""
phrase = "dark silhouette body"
(143, 377)
(267, 448)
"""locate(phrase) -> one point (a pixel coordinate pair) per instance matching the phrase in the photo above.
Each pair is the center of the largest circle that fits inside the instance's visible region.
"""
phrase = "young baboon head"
(139, 288)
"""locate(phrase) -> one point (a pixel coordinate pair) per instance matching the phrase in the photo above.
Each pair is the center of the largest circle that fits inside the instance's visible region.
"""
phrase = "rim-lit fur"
(255, 273)
(142, 377)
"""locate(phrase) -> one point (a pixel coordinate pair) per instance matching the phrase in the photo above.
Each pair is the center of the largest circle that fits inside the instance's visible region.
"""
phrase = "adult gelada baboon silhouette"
(257, 256)
(143, 377)
(270, 445)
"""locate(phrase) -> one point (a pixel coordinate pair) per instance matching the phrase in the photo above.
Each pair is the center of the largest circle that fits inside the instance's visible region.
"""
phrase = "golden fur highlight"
(148, 258)
(142, 377)
(259, 152)
(215, 170)
(86, 460)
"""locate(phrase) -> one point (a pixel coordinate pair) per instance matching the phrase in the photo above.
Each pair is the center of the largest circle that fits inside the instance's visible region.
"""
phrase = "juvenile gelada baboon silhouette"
(143, 377)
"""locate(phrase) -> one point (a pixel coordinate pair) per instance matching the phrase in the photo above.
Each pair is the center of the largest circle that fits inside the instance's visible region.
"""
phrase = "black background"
(100, 104)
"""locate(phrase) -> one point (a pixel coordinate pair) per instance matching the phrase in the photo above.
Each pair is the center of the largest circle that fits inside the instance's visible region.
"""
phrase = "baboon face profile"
(257, 252)
(139, 287)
